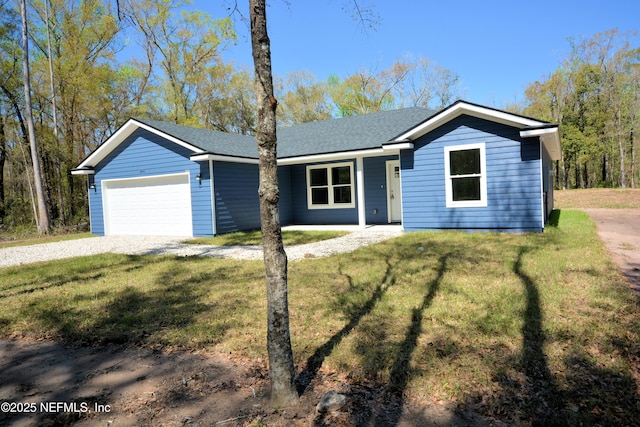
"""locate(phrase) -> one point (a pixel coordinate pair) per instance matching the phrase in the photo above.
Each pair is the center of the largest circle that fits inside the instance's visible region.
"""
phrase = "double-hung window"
(330, 186)
(465, 176)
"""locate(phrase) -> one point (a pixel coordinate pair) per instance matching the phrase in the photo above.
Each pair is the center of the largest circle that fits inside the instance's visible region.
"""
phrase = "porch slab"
(346, 227)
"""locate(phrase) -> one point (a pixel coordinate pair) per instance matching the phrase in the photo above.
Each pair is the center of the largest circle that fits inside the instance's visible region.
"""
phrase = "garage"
(157, 205)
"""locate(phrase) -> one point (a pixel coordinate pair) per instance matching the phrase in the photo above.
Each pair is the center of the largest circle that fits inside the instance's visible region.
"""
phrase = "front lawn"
(527, 328)
(10, 240)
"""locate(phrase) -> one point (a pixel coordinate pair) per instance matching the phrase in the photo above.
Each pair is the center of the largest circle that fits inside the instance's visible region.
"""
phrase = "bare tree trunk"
(633, 158)
(30, 184)
(3, 157)
(633, 133)
(281, 368)
(54, 109)
(25, 142)
(43, 213)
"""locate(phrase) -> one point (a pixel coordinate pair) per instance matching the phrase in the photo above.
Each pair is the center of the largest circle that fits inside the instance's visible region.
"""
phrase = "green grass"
(7, 241)
(527, 328)
(254, 238)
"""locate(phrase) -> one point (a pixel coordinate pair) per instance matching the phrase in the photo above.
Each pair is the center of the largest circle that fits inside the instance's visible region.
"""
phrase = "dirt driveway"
(51, 384)
(620, 231)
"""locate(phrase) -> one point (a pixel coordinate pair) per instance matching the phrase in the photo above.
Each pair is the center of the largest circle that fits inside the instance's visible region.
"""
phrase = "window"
(330, 186)
(466, 180)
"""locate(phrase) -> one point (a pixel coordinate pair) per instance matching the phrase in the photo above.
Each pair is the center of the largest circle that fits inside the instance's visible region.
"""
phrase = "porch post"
(214, 224)
(362, 217)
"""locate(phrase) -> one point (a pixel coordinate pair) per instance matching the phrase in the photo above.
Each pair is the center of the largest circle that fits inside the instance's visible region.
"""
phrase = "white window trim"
(483, 177)
(331, 204)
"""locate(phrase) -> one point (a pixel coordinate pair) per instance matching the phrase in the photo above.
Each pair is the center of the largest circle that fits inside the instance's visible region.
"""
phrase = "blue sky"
(496, 47)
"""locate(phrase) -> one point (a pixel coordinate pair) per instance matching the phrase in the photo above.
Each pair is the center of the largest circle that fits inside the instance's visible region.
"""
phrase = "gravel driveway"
(146, 245)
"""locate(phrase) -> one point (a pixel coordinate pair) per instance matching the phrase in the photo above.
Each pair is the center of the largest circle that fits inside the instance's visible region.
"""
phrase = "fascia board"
(528, 133)
(201, 157)
(118, 138)
(399, 145)
(329, 157)
(85, 171)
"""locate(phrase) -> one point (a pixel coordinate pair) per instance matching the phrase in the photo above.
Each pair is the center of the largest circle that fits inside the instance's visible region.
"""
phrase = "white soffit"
(328, 157)
(550, 138)
(398, 145)
(201, 157)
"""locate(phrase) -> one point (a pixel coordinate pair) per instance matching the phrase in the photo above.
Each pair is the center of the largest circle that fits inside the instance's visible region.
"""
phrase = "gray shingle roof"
(347, 134)
(211, 141)
(322, 137)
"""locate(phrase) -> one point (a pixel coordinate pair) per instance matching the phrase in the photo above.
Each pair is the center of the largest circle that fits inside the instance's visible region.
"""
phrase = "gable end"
(114, 141)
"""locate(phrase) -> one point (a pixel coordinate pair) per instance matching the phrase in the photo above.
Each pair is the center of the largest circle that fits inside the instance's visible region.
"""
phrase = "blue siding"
(237, 200)
(286, 200)
(236, 192)
(145, 154)
(95, 207)
(202, 217)
(513, 179)
(547, 183)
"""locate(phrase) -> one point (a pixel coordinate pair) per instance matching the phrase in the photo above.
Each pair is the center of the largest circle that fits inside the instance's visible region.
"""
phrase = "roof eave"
(326, 157)
(205, 156)
(397, 145)
(549, 135)
(465, 108)
(121, 135)
(83, 171)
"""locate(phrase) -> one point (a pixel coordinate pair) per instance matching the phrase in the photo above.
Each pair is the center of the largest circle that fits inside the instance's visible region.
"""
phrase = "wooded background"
(84, 85)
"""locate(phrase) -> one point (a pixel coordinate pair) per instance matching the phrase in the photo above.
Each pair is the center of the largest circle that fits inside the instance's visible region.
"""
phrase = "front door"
(394, 193)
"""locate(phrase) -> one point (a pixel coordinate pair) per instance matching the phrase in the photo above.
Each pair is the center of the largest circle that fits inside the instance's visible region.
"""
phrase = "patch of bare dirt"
(596, 198)
(619, 229)
(51, 384)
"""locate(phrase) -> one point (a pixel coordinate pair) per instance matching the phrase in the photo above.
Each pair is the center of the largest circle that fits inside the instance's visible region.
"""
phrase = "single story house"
(466, 167)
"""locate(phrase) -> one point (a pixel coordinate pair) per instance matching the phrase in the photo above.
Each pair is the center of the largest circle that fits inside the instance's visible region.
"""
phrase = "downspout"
(213, 198)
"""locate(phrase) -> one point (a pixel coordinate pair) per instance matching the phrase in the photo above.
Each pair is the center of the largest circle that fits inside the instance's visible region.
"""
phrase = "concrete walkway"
(156, 245)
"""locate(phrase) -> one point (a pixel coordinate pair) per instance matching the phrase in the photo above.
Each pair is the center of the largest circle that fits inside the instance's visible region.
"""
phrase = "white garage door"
(154, 206)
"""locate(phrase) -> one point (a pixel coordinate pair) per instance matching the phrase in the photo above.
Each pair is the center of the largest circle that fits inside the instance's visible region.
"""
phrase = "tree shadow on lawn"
(524, 389)
(315, 361)
(133, 313)
(52, 277)
(392, 395)
(393, 405)
(533, 393)
(545, 403)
